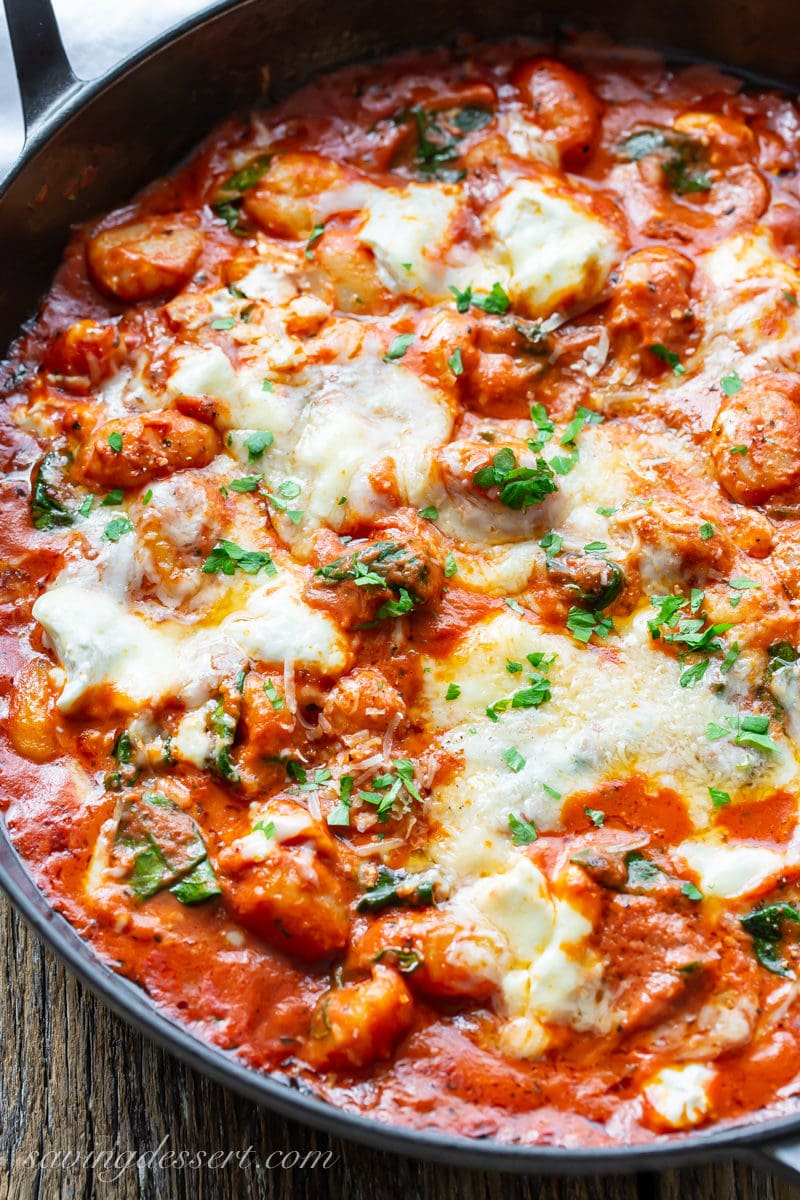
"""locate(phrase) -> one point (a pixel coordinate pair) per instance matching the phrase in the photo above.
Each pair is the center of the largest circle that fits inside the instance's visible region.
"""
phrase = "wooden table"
(76, 1078)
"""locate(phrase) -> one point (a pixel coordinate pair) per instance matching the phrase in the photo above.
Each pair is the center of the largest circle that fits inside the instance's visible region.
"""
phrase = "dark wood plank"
(75, 1078)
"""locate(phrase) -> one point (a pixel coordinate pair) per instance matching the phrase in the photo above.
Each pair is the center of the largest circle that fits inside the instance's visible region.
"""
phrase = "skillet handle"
(43, 72)
(780, 1158)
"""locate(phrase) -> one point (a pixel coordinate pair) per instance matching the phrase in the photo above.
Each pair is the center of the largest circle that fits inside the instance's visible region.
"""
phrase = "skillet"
(90, 145)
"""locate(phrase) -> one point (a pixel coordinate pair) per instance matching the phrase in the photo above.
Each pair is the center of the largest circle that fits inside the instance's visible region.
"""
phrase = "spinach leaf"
(165, 849)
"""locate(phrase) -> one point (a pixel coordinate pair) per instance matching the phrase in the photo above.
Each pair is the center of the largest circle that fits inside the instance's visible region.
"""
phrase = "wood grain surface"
(75, 1078)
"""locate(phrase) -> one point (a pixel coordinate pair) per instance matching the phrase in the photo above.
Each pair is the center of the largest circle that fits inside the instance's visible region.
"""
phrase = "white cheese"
(544, 972)
(207, 372)
(193, 741)
(525, 139)
(544, 248)
(729, 870)
(679, 1095)
(606, 719)
(99, 641)
(275, 625)
(411, 226)
(557, 254)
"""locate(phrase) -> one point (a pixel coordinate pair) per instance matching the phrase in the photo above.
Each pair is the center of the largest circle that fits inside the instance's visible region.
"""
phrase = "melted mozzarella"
(100, 642)
(731, 870)
(607, 718)
(544, 972)
(193, 741)
(342, 429)
(679, 1095)
(408, 232)
(555, 252)
(546, 249)
(275, 625)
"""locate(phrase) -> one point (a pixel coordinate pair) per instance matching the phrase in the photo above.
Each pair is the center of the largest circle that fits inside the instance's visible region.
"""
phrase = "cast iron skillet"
(90, 146)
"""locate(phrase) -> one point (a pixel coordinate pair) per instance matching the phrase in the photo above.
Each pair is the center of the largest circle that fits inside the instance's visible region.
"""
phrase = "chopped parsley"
(450, 566)
(288, 490)
(223, 323)
(227, 557)
(719, 798)
(730, 658)
(114, 498)
(249, 483)
(223, 726)
(455, 362)
(340, 815)
(582, 624)
(431, 513)
(513, 759)
(257, 443)
(273, 695)
(247, 178)
(533, 696)
(316, 234)
(463, 298)
(115, 441)
(398, 347)
(583, 416)
(596, 816)
(562, 464)
(396, 608)
(523, 832)
(689, 631)
(496, 302)
(228, 205)
(748, 729)
(669, 357)
(731, 384)
(738, 450)
(116, 528)
(706, 531)
(551, 543)
(743, 584)
(544, 426)
(519, 487)
(453, 691)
